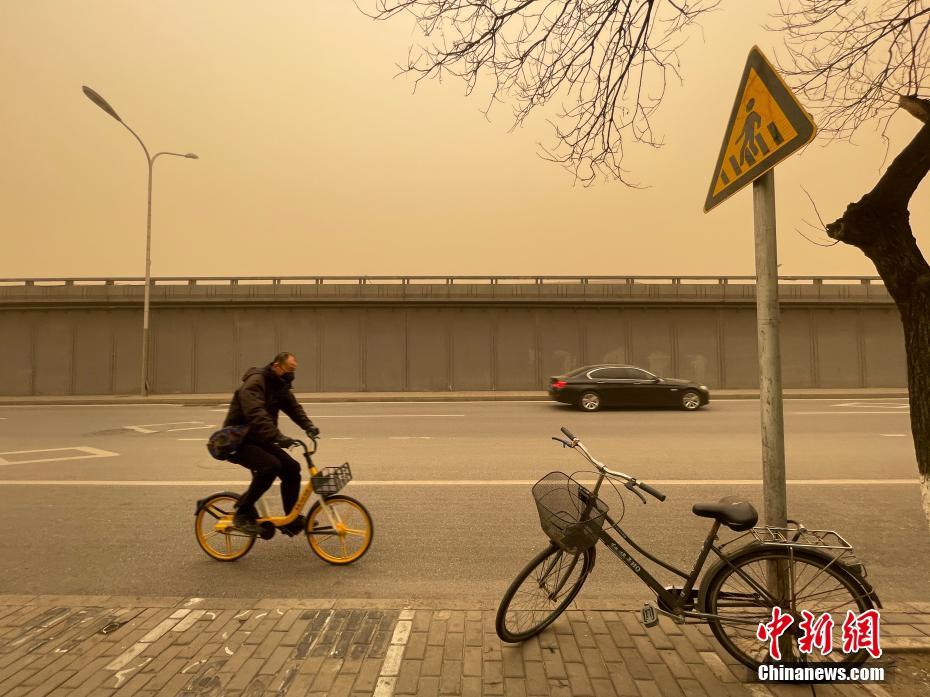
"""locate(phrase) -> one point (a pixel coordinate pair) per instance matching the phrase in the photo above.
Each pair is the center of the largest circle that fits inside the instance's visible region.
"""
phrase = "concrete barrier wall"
(360, 338)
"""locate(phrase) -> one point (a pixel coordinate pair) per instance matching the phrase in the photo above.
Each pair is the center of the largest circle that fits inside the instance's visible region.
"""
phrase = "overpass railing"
(446, 280)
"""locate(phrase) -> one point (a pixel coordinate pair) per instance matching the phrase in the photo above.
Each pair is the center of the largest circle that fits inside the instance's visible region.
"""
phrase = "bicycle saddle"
(731, 511)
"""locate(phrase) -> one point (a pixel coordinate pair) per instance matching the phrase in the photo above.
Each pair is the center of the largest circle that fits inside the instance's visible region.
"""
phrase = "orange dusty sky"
(317, 159)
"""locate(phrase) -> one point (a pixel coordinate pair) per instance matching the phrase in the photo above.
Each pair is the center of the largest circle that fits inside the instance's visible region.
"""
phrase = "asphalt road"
(448, 485)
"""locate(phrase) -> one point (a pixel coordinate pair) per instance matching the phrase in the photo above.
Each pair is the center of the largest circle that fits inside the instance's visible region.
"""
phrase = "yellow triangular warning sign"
(766, 125)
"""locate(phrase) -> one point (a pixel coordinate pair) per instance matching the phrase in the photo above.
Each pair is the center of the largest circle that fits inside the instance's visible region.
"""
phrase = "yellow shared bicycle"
(339, 528)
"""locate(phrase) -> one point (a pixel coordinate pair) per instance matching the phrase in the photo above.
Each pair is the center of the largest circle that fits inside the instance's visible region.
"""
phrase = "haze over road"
(448, 485)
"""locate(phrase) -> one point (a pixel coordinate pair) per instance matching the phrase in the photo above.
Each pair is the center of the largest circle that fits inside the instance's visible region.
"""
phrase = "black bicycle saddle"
(732, 511)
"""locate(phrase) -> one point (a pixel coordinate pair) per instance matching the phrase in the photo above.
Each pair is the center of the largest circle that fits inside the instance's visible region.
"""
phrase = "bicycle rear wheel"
(227, 544)
(541, 592)
(737, 591)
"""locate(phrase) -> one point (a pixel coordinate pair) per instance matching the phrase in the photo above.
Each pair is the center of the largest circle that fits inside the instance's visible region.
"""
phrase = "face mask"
(288, 378)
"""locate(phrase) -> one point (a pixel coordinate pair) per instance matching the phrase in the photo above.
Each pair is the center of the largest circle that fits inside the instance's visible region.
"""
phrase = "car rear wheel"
(690, 400)
(589, 401)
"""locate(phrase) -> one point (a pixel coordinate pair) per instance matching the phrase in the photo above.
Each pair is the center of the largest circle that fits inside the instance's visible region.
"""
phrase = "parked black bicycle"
(792, 568)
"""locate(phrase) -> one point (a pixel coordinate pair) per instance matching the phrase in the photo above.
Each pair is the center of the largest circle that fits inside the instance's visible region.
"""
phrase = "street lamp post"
(103, 104)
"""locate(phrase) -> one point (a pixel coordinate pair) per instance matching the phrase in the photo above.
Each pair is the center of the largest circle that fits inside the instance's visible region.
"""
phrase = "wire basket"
(570, 515)
(331, 480)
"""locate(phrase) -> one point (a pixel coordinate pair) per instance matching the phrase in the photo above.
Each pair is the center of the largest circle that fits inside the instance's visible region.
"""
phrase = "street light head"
(191, 156)
(101, 102)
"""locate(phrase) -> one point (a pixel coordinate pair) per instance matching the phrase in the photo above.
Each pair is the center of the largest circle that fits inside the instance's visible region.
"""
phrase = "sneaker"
(246, 525)
(295, 527)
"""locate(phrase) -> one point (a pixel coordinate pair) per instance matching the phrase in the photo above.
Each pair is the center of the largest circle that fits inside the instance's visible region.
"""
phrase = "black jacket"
(257, 402)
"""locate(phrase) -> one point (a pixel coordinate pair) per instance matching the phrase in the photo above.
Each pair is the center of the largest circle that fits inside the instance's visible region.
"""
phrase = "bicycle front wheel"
(738, 593)
(339, 529)
(541, 592)
(226, 544)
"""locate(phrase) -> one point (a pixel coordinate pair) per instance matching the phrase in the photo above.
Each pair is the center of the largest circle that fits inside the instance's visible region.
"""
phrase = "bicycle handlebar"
(307, 450)
(631, 483)
(652, 492)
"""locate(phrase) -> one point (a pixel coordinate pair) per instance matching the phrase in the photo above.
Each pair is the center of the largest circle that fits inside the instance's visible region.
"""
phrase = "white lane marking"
(88, 453)
(449, 482)
(340, 438)
(147, 428)
(120, 405)
(381, 416)
(881, 405)
(893, 435)
(847, 413)
(372, 416)
(409, 438)
(191, 428)
(200, 439)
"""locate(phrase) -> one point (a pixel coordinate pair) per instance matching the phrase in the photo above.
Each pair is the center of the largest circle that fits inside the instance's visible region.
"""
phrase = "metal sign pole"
(774, 490)
(770, 389)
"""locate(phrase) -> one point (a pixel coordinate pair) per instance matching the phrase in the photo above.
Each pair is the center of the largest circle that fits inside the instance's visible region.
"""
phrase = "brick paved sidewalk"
(214, 647)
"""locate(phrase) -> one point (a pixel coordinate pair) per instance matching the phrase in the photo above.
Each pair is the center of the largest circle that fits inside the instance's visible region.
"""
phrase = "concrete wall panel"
(385, 346)
(740, 357)
(472, 349)
(93, 353)
(883, 345)
(837, 349)
(255, 338)
(16, 352)
(126, 333)
(215, 367)
(560, 335)
(427, 350)
(696, 334)
(341, 350)
(605, 336)
(299, 333)
(54, 352)
(516, 350)
(796, 354)
(171, 366)
(650, 332)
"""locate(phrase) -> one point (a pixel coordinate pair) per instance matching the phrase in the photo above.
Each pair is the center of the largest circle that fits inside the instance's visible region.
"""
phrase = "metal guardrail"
(407, 280)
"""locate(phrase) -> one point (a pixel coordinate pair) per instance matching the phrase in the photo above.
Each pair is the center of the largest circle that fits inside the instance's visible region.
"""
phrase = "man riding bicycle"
(263, 393)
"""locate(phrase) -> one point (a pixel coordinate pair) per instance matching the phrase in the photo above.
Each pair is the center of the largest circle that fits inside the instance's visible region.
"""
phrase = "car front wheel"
(589, 401)
(690, 400)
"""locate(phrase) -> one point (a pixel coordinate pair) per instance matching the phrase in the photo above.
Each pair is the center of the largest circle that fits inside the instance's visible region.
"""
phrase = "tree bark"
(879, 225)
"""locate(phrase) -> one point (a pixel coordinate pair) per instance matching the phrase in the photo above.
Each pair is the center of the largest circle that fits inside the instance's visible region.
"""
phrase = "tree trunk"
(879, 225)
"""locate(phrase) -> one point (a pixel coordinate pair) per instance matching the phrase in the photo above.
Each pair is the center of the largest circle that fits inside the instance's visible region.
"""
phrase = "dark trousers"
(267, 462)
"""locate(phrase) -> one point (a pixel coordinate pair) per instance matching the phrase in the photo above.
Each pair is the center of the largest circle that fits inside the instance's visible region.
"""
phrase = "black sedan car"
(594, 386)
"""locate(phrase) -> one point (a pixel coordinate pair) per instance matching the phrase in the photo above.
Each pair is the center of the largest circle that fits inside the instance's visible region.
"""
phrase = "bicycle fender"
(857, 580)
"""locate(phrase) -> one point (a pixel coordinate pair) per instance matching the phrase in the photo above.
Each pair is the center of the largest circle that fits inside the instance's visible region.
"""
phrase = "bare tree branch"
(605, 64)
(850, 59)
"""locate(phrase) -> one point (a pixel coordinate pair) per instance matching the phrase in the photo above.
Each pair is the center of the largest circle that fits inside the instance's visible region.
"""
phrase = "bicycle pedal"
(648, 616)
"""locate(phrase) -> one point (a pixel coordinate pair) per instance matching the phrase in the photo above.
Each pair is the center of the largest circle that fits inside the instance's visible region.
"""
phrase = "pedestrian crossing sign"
(766, 125)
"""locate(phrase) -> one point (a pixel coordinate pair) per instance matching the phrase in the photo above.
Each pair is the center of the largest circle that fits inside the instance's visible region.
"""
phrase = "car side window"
(637, 374)
(607, 374)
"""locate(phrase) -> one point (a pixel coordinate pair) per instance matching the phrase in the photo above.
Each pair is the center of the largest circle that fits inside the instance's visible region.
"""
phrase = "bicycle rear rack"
(829, 542)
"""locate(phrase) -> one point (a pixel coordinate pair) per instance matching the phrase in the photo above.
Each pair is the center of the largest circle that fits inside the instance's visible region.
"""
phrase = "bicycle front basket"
(570, 515)
(331, 480)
